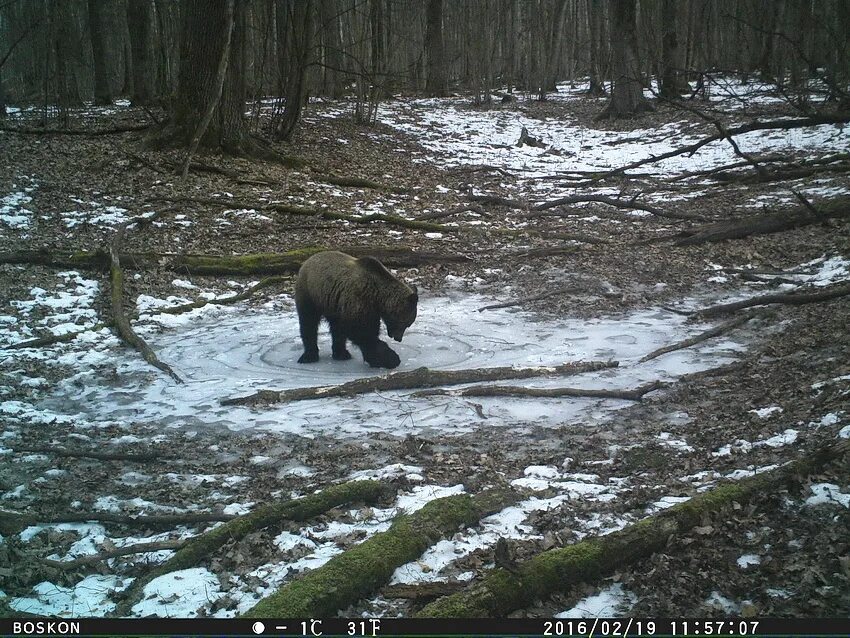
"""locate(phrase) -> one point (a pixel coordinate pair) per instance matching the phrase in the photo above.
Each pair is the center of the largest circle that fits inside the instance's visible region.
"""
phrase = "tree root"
(503, 591)
(201, 547)
(418, 378)
(548, 393)
(364, 568)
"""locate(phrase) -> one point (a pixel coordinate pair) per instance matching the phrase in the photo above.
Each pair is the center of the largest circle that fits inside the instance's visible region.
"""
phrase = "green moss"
(203, 546)
(359, 571)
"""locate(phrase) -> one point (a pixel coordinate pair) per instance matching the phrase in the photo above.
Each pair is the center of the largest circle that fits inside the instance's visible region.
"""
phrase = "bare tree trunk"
(594, 22)
(671, 81)
(331, 50)
(99, 34)
(301, 38)
(139, 22)
(627, 92)
(435, 83)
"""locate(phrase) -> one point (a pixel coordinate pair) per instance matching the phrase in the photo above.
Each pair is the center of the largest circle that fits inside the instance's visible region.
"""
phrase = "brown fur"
(354, 295)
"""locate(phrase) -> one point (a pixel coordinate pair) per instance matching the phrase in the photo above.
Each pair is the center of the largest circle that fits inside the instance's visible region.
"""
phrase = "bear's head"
(401, 313)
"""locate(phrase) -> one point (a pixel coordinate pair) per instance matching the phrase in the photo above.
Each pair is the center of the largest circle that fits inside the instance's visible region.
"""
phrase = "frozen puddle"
(241, 351)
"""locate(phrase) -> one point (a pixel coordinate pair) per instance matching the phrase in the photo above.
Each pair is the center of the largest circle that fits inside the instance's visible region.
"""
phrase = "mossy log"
(201, 547)
(358, 572)
(359, 182)
(49, 340)
(229, 265)
(503, 591)
(418, 378)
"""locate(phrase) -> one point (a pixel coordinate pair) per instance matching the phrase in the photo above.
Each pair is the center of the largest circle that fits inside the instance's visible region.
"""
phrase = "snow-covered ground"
(230, 351)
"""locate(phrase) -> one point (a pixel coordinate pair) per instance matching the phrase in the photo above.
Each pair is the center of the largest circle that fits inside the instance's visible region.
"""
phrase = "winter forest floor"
(588, 282)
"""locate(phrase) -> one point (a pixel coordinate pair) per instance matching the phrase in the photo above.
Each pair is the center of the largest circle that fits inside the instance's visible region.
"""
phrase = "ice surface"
(233, 353)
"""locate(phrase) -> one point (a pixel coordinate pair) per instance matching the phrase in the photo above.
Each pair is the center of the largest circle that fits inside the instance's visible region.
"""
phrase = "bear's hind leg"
(338, 339)
(308, 321)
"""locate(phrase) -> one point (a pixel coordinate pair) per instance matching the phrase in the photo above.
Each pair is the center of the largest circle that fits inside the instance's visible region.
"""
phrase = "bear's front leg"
(308, 323)
(379, 355)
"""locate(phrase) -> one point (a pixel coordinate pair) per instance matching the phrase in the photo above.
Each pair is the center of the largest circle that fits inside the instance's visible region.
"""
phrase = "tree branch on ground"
(90, 454)
(796, 298)
(230, 265)
(139, 548)
(12, 522)
(300, 509)
(122, 323)
(49, 340)
(784, 125)
(503, 591)
(539, 210)
(703, 336)
(545, 393)
(418, 378)
(766, 224)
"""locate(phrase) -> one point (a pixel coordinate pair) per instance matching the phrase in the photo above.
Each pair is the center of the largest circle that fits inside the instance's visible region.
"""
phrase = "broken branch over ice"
(703, 336)
(418, 378)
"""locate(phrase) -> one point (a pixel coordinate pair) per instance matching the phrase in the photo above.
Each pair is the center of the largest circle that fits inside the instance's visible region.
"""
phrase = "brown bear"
(354, 295)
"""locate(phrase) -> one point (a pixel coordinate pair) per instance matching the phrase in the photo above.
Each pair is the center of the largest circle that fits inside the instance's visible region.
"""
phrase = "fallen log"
(795, 298)
(49, 340)
(541, 209)
(139, 548)
(231, 265)
(568, 290)
(503, 591)
(766, 224)
(242, 296)
(201, 547)
(546, 393)
(358, 182)
(126, 128)
(13, 522)
(89, 454)
(350, 576)
(418, 378)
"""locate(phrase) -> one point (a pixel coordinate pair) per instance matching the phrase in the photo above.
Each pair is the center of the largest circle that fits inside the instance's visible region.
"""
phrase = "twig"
(568, 290)
(538, 210)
